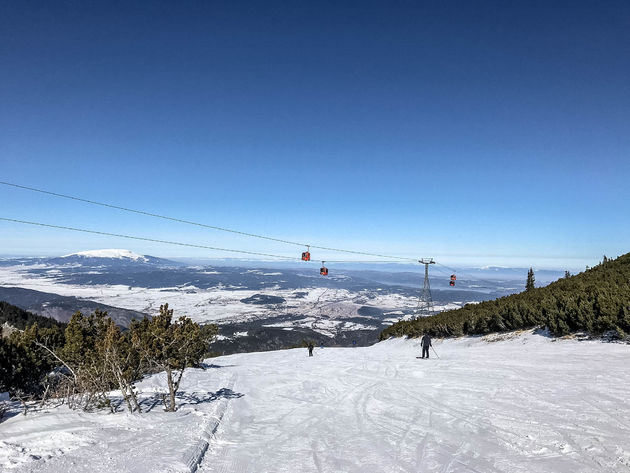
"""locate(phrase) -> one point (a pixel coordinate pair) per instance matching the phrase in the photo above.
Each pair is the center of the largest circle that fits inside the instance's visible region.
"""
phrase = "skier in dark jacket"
(425, 344)
(310, 349)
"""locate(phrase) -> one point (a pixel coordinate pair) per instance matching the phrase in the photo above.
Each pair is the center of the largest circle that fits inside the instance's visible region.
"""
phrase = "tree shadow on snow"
(206, 366)
(190, 398)
(10, 412)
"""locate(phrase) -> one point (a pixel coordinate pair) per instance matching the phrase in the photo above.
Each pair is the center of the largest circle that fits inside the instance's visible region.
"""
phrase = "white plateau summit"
(109, 253)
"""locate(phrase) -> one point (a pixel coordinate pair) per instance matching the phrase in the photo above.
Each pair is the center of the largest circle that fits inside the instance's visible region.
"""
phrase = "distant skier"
(310, 349)
(425, 344)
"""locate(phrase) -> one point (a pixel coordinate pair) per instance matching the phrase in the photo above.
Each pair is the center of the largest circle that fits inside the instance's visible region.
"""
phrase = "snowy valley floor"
(523, 403)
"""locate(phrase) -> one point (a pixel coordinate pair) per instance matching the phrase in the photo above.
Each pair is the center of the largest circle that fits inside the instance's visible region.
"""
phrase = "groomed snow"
(515, 403)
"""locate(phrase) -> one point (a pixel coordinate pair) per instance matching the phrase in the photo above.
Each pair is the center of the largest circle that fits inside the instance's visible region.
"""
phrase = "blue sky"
(473, 132)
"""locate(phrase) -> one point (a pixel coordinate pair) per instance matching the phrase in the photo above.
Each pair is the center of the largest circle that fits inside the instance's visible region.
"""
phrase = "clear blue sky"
(485, 132)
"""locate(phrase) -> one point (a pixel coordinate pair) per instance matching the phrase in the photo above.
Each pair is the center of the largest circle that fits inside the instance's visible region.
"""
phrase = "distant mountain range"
(485, 272)
(114, 258)
(258, 305)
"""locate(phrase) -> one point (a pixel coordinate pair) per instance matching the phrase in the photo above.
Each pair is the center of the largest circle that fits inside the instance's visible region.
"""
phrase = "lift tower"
(425, 303)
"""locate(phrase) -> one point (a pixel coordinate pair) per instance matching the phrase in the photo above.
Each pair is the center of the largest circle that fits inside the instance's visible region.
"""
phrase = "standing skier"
(425, 344)
(310, 349)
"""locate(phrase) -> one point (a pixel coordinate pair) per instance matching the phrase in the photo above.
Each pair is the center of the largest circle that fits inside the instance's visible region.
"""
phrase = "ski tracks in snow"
(503, 407)
(194, 456)
(480, 408)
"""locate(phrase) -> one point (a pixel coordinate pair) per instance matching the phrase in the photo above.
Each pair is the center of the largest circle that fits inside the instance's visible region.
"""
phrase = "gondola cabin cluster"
(306, 256)
(453, 279)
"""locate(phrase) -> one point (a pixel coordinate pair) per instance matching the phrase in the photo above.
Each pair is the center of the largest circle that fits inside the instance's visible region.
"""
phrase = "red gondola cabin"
(306, 256)
(453, 278)
(323, 271)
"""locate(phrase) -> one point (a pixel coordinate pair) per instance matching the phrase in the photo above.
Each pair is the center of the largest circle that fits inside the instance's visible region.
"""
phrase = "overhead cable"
(189, 222)
(170, 242)
(155, 240)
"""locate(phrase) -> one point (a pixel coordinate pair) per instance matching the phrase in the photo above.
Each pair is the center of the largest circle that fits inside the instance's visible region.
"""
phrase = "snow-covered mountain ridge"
(112, 257)
(109, 253)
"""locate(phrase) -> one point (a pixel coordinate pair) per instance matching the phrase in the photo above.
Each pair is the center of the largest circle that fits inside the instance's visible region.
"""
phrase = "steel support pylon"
(425, 303)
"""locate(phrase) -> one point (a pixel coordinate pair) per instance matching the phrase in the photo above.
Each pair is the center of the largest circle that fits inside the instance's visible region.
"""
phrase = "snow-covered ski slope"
(515, 403)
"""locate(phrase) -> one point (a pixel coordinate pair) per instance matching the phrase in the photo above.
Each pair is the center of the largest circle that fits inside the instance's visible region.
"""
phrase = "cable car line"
(155, 240)
(149, 214)
(306, 255)
(170, 242)
(189, 222)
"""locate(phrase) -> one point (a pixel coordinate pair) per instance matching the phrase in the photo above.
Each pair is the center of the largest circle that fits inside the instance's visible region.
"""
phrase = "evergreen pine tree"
(529, 285)
(170, 345)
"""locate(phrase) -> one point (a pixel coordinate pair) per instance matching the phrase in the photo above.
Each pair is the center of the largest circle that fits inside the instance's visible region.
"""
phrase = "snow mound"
(109, 253)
